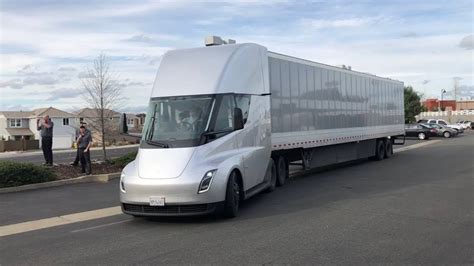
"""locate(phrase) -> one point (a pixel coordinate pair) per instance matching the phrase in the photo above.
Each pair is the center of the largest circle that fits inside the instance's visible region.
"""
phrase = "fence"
(18, 145)
(450, 116)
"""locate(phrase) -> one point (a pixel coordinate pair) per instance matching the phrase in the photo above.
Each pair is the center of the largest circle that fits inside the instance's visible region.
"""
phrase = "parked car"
(419, 131)
(465, 124)
(441, 122)
(442, 131)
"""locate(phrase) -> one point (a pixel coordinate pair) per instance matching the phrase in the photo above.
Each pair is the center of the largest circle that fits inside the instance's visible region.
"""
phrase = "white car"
(465, 124)
(442, 122)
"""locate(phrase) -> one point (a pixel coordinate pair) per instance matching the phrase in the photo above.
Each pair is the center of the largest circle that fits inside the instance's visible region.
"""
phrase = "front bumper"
(170, 210)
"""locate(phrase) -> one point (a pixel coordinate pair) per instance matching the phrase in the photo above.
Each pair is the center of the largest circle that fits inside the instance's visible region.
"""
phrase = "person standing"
(77, 159)
(84, 142)
(46, 126)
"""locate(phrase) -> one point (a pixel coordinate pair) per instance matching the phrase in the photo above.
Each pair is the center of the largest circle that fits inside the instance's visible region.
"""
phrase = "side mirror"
(238, 119)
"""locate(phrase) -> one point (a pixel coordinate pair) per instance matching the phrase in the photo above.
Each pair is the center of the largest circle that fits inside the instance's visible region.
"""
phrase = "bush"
(16, 174)
(122, 161)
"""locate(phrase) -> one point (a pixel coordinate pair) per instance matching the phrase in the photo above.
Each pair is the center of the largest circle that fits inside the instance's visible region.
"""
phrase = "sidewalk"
(13, 154)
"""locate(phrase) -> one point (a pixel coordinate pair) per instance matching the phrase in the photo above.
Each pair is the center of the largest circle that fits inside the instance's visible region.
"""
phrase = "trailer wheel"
(271, 175)
(232, 197)
(379, 150)
(388, 148)
(282, 171)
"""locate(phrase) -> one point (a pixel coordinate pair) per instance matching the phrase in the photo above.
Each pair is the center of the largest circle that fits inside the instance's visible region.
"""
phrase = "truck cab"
(206, 140)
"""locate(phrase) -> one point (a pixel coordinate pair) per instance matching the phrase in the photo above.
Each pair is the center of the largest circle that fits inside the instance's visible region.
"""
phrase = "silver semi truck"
(225, 121)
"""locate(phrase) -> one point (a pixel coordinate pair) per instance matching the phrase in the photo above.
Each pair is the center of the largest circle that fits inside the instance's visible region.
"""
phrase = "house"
(16, 125)
(135, 122)
(91, 117)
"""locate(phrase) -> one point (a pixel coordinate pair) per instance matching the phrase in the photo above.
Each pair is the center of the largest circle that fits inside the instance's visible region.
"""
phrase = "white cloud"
(467, 42)
(317, 24)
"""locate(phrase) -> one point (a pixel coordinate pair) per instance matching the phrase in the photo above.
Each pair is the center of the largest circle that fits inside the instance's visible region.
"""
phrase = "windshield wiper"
(159, 144)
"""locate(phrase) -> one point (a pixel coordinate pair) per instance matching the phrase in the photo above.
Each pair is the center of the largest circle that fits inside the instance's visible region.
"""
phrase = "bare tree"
(102, 93)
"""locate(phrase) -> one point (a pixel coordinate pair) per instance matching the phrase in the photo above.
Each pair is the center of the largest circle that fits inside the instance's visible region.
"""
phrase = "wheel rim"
(446, 134)
(421, 136)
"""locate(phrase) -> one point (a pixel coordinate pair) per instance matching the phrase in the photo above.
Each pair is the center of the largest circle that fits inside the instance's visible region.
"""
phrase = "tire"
(422, 136)
(272, 175)
(232, 197)
(282, 171)
(379, 150)
(446, 134)
(388, 149)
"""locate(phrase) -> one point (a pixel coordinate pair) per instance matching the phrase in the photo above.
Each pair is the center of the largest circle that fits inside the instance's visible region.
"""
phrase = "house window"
(65, 121)
(15, 122)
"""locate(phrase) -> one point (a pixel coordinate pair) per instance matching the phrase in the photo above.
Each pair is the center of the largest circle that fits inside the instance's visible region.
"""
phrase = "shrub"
(122, 161)
(16, 174)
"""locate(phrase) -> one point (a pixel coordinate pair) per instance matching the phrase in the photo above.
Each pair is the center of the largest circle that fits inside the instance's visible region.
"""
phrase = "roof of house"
(16, 114)
(19, 131)
(94, 113)
(52, 112)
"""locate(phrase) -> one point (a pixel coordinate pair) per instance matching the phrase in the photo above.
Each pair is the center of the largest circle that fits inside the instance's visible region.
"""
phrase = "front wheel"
(421, 136)
(232, 197)
(446, 134)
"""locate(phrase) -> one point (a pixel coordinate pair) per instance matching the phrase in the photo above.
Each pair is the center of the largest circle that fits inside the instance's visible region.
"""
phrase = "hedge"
(122, 161)
(16, 174)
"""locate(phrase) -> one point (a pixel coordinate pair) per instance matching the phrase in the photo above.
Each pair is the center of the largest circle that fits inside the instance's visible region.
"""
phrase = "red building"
(435, 104)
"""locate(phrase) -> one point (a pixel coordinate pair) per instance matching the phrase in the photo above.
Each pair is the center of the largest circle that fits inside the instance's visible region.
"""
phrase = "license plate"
(157, 201)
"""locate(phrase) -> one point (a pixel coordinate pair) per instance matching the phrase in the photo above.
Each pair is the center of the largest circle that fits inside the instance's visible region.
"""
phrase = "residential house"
(135, 122)
(18, 125)
(91, 117)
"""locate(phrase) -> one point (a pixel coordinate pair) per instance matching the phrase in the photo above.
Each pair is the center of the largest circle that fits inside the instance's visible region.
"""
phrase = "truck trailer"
(225, 122)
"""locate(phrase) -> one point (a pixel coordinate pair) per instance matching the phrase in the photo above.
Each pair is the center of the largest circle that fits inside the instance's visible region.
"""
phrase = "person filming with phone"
(84, 142)
(45, 126)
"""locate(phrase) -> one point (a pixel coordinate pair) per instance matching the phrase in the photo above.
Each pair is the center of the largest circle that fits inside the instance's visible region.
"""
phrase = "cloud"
(12, 83)
(426, 81)
(467, 42)
(67, 69)
(85, 75)
(341, 23)
(409, 35)
(141, 38)
(63, 93)
(40, 80)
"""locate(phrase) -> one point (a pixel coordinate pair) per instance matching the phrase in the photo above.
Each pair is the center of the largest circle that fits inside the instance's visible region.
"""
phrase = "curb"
(101, 178)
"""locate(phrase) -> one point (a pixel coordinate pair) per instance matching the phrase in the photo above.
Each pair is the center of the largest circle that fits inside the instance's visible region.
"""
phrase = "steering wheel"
(186, 125)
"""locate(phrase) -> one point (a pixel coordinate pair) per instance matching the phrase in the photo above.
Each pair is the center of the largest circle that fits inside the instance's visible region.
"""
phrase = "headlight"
(122, 184)
(206, 181)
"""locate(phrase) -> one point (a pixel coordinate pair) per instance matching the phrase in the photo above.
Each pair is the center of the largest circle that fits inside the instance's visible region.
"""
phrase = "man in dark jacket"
(87, 131)
(45, 126)
(84, 142)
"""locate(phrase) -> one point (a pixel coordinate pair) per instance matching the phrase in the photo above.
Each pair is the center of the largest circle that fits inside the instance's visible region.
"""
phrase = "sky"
(47, 46)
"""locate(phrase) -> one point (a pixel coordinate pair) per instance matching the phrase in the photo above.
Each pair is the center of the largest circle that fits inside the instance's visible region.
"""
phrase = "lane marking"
(416, 146)
(13, 229)
(19, 228)
(100, 226)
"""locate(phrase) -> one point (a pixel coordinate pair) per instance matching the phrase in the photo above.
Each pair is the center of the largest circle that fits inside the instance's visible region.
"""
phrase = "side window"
(432, 121)
(243, 102)
(442, 123)
(225, 115)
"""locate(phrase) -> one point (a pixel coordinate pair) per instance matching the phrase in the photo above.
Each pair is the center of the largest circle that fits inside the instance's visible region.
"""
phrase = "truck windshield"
(177, 121)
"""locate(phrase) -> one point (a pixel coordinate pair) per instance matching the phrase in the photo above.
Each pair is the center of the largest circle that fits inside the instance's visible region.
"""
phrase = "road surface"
(415, 208)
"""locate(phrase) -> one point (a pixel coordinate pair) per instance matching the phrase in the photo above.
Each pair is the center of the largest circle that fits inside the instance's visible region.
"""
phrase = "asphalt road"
(415, 208)
(64, 156)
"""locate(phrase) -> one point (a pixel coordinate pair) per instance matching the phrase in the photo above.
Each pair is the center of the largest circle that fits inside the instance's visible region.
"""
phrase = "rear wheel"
(379, 150)
(232, 197)
(422, 136)
(446, 134)
(282, 171)
(388, 148)
(271, 175)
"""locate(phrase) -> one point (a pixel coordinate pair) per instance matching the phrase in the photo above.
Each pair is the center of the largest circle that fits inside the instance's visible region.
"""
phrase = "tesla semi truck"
(225, 121)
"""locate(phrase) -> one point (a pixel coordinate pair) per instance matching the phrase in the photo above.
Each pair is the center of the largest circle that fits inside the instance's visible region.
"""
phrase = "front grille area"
(168, 209)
